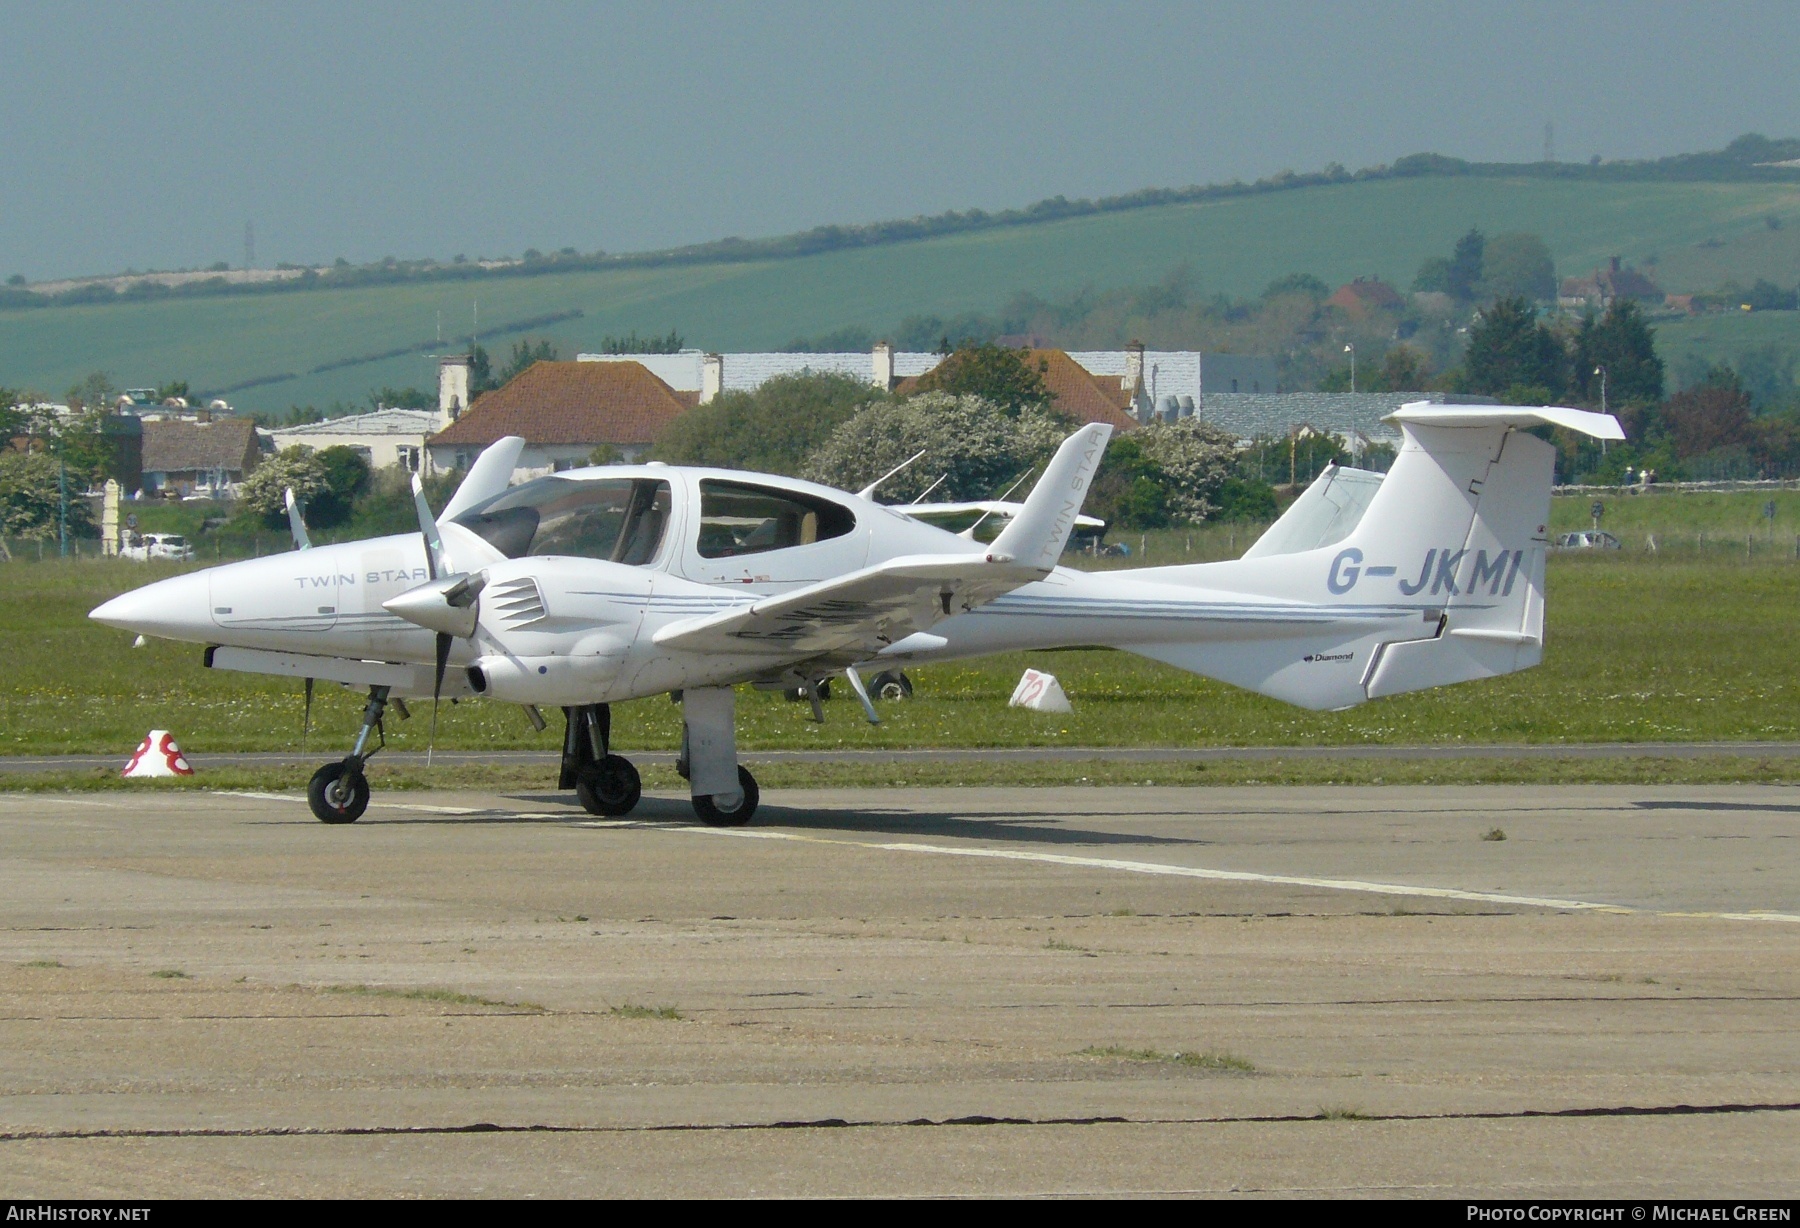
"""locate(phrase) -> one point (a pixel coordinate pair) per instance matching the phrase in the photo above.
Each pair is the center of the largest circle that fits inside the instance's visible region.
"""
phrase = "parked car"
(1588, 539)
(142, 547)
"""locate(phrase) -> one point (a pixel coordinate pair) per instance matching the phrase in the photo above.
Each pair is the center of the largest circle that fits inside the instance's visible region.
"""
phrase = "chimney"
(1133, 379)
(1133, 366)
(453, 388)
(712, 376)
(882, 362)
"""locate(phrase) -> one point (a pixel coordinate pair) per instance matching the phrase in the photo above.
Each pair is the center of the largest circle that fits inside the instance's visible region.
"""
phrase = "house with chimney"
(182, 457)
(1601, 288)
(563, 410)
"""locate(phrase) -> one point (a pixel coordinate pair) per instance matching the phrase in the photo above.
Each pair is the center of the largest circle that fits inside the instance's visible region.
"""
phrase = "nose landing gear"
(339, 792)
(605, 783)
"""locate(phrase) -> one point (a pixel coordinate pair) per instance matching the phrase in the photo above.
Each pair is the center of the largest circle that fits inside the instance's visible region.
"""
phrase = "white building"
(386, 437)
(1174, 383)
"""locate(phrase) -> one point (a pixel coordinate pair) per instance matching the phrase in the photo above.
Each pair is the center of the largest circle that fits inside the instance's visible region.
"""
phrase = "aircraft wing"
(1004, 509)
(876, 606)
(864, 611)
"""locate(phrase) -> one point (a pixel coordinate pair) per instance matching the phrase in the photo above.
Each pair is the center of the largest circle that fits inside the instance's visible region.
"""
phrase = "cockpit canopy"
(738, 518)
(625, 519)
(618, 519)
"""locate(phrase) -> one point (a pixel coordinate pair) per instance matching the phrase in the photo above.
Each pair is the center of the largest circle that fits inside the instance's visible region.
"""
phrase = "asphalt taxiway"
(1057, 991)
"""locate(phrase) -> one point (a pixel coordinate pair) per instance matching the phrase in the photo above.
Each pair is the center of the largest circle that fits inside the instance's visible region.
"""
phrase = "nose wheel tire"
(338, 793)
(713, 816)
(610, 787)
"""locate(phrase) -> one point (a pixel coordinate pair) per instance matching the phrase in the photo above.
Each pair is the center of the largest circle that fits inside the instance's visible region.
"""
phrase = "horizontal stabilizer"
(1586, 421)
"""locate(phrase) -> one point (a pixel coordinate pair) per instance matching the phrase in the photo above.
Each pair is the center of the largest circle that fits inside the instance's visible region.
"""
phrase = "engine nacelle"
(579, 676)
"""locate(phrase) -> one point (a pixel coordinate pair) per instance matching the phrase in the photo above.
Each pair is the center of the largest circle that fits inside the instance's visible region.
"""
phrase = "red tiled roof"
(619, 403)
(1079, 394)
(1365, 293)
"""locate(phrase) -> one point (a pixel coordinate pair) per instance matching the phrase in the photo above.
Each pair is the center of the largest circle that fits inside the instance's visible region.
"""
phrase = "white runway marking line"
(289, 797)
(1237, 876)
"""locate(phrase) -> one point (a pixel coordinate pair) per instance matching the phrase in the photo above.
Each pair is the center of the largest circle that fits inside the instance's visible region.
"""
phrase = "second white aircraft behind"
(600, 585)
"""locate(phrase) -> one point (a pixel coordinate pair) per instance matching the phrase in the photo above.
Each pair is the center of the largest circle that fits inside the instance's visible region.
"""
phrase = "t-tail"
(1440, 579)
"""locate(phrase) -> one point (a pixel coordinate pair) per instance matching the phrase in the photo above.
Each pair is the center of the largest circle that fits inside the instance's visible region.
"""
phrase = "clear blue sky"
(146, 135)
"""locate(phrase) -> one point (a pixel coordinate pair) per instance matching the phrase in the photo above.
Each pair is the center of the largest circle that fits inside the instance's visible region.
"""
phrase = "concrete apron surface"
(1011, 992)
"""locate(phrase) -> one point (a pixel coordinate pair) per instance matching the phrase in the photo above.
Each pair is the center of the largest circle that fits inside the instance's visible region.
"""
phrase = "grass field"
(1641, 647)
(1700, 234)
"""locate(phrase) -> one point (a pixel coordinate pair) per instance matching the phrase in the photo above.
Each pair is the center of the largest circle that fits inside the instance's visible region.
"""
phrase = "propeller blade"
(306, 720)
(434, 546)
(297, 522)
(437, 690)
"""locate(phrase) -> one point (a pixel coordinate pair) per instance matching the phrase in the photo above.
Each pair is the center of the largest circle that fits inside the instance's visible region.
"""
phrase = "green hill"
(1690, 235)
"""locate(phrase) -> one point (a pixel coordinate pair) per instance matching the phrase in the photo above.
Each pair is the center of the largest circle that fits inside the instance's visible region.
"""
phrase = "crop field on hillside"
(1641, 647)
(1699, 233)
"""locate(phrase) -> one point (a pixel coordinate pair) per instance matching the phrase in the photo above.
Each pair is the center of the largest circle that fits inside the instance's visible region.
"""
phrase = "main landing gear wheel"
(338, 793)
(892, 684)
(610, 787)
(712, 816)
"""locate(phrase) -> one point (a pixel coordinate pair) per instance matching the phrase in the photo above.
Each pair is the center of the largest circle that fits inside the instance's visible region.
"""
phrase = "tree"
(1433, 276)
(1403, 369)
(1128, 491)
(634, 344)
(481, 372)
(31, 498)
(1765, 295)
(399, 398)
(175, 389)
(772, 429)
(1516, 265)
(1466, 260)
(1704, 419)
(346, 477)
(263, 493)
(996, 373)
(1509, 348)
(525, 354)
(1298, 283)
(973, 444)
(1195, 458)
(1623, 344)
(94, 392)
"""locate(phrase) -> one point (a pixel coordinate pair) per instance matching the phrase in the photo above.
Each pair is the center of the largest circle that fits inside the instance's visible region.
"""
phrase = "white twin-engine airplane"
(594, 586)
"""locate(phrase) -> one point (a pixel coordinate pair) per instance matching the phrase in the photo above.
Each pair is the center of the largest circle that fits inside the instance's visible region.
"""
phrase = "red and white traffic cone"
(157, 755)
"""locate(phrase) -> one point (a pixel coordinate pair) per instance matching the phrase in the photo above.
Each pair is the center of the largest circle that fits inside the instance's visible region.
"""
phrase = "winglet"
(487, 477)
(1037, 535)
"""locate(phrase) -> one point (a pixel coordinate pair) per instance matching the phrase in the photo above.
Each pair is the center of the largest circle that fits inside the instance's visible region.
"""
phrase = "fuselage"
(570, 628)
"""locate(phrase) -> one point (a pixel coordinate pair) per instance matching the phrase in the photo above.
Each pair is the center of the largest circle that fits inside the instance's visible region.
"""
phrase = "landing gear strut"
(339, 792)
(604, 783)
(724, 792)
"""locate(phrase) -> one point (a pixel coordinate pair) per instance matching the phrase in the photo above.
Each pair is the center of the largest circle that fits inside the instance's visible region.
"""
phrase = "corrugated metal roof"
(1249, 415)
(377, 422)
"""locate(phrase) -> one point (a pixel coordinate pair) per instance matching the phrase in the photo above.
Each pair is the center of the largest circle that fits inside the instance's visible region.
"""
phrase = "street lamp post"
(1350, 349)
(1601, 372)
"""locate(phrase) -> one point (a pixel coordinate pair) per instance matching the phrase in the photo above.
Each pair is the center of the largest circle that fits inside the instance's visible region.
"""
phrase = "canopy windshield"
(621, 520)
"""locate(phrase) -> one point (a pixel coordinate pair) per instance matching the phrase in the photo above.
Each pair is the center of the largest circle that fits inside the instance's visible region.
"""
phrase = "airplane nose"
(177, 608)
